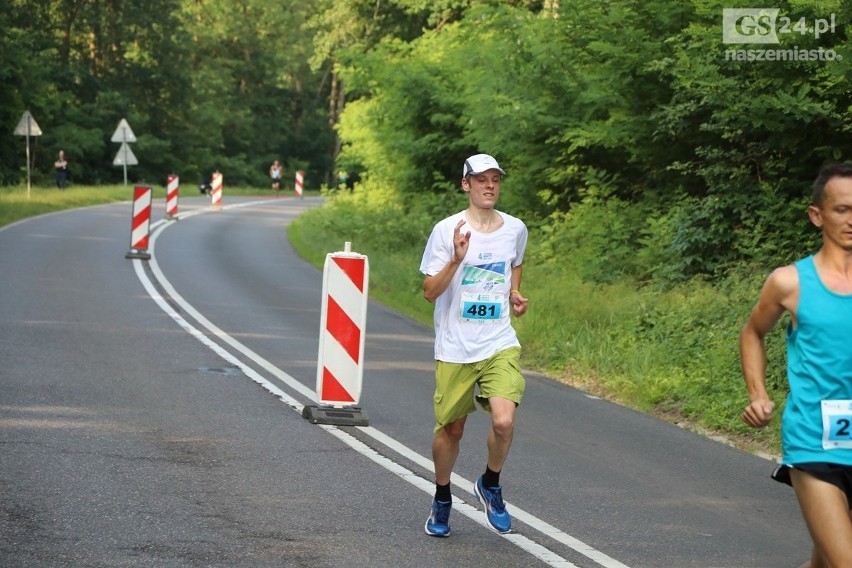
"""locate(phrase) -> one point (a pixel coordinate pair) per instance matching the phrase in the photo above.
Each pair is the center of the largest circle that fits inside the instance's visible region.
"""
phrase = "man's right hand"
(461, 241)
(758, 413)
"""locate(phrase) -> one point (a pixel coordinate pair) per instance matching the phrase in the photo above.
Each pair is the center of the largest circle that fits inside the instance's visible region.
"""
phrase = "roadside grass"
(673, 352)
(16, 205)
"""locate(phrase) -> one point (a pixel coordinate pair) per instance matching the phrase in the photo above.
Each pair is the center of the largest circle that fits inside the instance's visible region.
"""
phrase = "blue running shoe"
(438, 523)
(498, 517)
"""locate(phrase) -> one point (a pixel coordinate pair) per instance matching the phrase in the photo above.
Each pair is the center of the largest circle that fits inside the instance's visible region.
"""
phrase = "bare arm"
(518, 301)
(779, 294)
(437, 284)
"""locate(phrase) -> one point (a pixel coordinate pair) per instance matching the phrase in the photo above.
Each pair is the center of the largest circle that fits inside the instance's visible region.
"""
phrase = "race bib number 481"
(481, 308)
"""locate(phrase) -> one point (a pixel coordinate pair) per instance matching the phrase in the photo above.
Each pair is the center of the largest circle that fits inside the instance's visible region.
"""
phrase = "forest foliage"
(627, 134)
(618, 114)
(204, 85)
(663, 174)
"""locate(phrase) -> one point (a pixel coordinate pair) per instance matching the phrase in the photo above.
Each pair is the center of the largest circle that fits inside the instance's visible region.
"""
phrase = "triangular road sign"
(27, 126)
(125, 157)
(123, 133)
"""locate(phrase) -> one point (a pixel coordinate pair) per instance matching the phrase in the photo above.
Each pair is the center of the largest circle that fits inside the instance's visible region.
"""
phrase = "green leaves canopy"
(595, 109)
(204, 84)
(616, 103)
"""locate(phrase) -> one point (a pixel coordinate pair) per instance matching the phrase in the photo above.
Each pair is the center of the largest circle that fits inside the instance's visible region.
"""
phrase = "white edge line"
(517, 513)
(207, 324)
(537, 550)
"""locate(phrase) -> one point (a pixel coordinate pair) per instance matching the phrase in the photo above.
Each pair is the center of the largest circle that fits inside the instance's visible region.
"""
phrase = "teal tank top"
(819, 368)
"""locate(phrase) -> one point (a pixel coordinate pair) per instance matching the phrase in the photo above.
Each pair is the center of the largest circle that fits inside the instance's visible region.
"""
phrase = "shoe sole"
(485, 508)
(436, 535)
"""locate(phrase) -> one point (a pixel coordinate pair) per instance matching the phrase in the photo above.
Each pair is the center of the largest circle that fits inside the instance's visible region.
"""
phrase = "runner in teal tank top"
(817, 421)
(819, 371)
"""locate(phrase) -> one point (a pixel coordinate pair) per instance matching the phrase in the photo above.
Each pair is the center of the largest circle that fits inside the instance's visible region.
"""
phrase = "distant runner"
(275, 172)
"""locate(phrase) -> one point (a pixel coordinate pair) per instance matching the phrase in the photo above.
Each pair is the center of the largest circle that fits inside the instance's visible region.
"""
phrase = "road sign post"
(27, 126)
(125, 157)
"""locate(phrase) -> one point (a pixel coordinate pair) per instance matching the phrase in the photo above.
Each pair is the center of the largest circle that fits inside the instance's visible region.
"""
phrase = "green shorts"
(499, 375)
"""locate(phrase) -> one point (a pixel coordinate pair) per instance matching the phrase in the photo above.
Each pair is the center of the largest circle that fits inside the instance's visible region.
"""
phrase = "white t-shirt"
(472, 316)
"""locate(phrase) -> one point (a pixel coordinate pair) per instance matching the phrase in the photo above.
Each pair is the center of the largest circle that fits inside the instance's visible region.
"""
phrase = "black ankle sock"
(442, 493)
(490, 478)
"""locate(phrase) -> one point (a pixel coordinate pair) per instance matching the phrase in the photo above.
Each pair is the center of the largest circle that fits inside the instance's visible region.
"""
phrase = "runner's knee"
(455, 430)
(503, 424)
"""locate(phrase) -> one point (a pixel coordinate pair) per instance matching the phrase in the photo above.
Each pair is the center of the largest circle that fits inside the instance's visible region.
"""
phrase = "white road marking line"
(517, 513)
(473, 513)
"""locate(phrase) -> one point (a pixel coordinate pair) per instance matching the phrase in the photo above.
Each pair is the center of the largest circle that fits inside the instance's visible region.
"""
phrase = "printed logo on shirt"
(493, 273)
(485, 255)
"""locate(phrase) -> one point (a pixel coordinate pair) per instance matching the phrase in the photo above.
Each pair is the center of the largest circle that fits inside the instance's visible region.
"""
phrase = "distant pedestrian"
(816, 426)
(275, 173)
(472, 267)
(61, 166)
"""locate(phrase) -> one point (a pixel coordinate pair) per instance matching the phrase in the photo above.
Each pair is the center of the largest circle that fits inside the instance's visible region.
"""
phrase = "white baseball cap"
(480, 163)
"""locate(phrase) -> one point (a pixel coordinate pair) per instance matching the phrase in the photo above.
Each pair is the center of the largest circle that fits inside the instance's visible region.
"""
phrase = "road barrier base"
(140, 254)
(349, 416)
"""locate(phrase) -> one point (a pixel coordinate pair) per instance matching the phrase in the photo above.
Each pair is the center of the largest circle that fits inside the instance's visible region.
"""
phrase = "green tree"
(755, 132)
(27, 78)
(203, 83)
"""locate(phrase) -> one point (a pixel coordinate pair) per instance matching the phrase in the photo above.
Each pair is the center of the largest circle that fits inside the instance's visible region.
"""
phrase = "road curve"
(149, 415)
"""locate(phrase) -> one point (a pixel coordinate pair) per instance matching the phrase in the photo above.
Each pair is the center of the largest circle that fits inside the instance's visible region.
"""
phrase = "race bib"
(481, 308)
(836, 424)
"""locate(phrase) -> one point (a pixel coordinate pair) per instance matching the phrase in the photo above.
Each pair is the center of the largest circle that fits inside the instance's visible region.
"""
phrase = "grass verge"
(16, 204)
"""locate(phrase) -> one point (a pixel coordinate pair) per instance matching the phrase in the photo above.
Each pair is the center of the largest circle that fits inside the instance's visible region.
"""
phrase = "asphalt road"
(150, 416)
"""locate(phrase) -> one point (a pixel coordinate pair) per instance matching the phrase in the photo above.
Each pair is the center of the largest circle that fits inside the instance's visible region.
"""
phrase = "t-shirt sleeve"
(521, 245)
(437, 254)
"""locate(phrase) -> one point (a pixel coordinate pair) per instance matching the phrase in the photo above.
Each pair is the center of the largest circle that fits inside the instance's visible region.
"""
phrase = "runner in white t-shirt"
(275, 172)
(472, 265)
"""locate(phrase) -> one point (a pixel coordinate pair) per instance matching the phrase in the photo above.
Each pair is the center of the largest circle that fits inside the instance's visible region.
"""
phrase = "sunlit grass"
(17, 203)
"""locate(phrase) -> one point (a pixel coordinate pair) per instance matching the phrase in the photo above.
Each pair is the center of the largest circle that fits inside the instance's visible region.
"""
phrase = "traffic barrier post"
(140, 223)
(216, 189)
(300, 181)
(172, 190)
(340, 365)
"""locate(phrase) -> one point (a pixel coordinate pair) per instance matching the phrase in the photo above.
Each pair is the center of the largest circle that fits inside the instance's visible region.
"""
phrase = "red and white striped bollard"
(216, 189)
(140, 223)
(340, 365)
(300, 180)
(172, 189)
